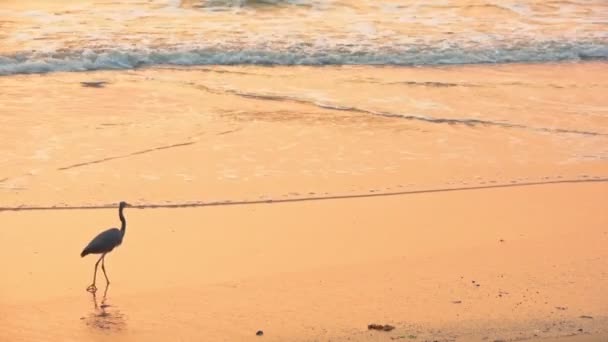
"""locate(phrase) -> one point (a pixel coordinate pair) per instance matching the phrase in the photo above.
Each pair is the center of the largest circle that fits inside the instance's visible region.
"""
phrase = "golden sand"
(319, 270)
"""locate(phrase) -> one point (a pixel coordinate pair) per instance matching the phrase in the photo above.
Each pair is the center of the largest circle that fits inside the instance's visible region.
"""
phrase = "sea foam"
(109, 59)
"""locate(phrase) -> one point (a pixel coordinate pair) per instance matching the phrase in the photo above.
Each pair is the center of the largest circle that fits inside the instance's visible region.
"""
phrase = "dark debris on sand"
(386, 327)
(93, 84)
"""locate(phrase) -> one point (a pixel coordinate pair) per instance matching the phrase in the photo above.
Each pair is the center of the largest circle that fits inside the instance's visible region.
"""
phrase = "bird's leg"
(94, 298)
(103, 268)
(92, 288)
(105, 295)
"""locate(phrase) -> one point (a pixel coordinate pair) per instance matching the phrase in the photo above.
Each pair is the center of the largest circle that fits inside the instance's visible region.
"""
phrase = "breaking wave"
(109, 59)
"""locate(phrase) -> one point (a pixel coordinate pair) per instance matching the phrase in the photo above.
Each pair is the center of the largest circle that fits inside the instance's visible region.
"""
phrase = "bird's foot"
(92, 288)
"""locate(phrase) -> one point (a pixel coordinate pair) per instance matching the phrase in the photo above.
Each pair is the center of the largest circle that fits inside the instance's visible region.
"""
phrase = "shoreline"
(373, 193)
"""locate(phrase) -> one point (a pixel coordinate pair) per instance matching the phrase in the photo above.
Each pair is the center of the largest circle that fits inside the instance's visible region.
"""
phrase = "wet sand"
(171, 136)
(503, 264)
(341, 197)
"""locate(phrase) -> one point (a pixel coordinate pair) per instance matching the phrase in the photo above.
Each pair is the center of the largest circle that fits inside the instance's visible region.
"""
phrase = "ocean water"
(44, 36)
(177, 102)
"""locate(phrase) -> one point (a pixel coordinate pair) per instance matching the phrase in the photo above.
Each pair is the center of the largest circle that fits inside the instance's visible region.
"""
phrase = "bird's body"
(104, 243)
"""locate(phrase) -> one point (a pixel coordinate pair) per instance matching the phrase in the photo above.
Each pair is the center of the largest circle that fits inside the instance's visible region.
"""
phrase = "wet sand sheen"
(153, 130)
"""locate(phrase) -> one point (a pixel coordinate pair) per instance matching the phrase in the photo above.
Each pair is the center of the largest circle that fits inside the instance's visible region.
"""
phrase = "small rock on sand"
(259, 333)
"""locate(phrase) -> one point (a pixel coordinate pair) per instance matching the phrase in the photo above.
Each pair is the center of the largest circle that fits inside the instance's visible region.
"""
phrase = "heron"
(104, 243)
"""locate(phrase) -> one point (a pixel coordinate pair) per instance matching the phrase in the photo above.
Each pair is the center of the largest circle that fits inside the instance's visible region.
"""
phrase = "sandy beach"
(303, 208)
(519, 263)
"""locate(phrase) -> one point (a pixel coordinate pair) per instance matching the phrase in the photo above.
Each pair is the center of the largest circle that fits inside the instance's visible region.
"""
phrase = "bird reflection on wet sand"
(105, 317)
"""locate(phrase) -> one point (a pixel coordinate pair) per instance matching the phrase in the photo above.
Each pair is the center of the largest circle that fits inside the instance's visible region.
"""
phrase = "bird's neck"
(123, 227)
